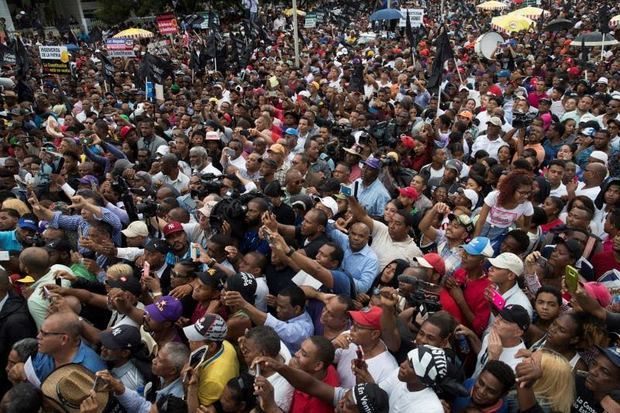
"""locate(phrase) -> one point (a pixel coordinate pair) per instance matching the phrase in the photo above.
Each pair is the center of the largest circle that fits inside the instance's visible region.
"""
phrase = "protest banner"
(120, 47)
(55, 60)
(310, 21)
(167, 23)
(416, 16)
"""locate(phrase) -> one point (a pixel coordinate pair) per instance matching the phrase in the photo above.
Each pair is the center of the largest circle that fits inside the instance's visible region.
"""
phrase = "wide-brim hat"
(69, 385)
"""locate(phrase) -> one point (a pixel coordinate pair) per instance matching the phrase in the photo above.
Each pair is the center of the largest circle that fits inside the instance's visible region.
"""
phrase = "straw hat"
(69, 385)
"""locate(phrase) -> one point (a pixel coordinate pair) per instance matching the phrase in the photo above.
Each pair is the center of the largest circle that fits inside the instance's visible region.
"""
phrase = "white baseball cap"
(136, 229)
(508, 261)
(330, 203)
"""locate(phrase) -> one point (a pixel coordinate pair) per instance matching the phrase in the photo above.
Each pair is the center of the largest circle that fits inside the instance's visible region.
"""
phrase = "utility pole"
(295, 34)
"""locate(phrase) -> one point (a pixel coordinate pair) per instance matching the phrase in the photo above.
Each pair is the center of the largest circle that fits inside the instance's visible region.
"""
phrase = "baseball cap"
(503, 73)
(277, 148)
(291, 131)
(370, 398)
(330, 203)
(455, 164)
(479, 246)
(212, 278)
(211, 327)
(212, 136)
(408, 141)
(599, 292)
(273, 189)
(125, 130)
(129, 284)
(123, 337)
(588, 132)
(464, 220)
(120, 165)
(368, 317)
(466, 114)
(514, 313)
(508, 261)
(136, 229)
(167, 308)
(27, 223)
(58, 245)
(156, 245)
(374, 163)
(469, 194)
(172, 228)
(409, 192)
(494, 120)
(600, 156)
(89, 180)
(432, 260)
(244, 283)
(612, 353)
(603, 80)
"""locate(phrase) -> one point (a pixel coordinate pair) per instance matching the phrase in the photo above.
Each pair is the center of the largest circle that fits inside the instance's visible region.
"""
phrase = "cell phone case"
(498, 301)
(571, 278)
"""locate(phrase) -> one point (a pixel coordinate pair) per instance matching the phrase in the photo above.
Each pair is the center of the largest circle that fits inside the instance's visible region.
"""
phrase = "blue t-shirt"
(8, 241)
(43, 364)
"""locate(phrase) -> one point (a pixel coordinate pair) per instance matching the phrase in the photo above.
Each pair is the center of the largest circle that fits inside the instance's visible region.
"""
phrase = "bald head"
(36, 260)
(599, 170)
(65, 322)
(359, 234)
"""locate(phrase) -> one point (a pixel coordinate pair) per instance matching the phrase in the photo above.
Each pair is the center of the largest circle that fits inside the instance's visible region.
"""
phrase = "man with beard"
(315, 357)
(251, 241)
(200, 163)
(117, 348)
(310, 234)
(176, 238)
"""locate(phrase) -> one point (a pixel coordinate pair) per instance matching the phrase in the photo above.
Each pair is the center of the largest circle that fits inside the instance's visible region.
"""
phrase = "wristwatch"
(290, 252)
(211, 262)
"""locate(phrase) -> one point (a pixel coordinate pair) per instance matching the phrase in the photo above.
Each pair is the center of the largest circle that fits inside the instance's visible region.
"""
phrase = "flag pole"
(296, 34)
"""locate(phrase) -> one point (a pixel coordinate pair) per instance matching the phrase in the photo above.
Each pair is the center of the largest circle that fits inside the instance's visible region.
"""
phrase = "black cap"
(123, 337)
(370, 398)
(273, 189)
(573, 247)
(244, 283)
(157, 245)
(514, 313)
(58, 245)
(212, 278)
(129, 284)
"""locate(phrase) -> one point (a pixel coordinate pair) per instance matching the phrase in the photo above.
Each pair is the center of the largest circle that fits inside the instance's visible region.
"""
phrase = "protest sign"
(55, 60)
(310, 21)
(416, 16)
(167, 23)
(120, 47)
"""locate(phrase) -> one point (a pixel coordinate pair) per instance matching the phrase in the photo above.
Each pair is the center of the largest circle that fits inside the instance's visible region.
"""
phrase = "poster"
(120, 47)
(55, 60)
(415, 15)
(167, 23)
(310, 21)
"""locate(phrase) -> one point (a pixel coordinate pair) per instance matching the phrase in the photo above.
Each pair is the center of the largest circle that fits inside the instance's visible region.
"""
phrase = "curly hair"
(509, 185)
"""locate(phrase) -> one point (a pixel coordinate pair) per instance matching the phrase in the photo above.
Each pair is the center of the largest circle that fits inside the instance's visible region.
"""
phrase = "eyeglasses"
(177, 275)
(50, 333)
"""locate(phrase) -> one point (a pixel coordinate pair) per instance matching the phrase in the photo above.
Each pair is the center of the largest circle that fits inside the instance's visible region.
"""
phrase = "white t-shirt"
(503, 218)
(282, 391)
(388, 250)
(404, 401)
(507, 355)
(591, 193)
(491, 146)
(379, 366)
(560, 191)
(261, 294)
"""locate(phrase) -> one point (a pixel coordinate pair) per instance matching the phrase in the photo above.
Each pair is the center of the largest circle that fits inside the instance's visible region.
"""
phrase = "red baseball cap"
(408, 141)
(125, 130)
(172, 228)
(368, 317)
(599, 292)
(434, 261)
(409, 192)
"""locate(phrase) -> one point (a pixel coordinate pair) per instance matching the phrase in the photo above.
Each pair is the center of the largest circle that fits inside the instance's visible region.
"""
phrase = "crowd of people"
(341, 236)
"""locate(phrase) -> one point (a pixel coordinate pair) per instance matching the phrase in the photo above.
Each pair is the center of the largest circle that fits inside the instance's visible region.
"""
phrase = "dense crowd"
(351, 235)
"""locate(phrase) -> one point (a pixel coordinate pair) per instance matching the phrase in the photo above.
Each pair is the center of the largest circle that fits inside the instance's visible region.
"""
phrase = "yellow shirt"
(215, 372)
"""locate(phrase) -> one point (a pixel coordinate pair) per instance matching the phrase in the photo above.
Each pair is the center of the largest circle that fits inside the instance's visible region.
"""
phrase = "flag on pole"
(603, 19)
(154, 68)
(108, 68)
(22, 59)
(584, 54)
(444, 53)
(408, 31)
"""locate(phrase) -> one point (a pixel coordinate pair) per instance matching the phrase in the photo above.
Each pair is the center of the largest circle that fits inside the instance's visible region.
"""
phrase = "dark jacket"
(15, 324)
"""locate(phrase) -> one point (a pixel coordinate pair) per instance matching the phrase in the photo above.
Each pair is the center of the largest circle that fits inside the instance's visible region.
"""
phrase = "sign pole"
(295, 34)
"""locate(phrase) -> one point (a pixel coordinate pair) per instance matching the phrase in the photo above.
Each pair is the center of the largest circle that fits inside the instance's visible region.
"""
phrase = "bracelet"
(157, 294)
(290, 252)
(211, 262)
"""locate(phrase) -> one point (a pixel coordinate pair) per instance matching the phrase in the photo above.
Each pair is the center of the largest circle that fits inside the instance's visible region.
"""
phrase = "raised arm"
(426, 222)
(359, 214)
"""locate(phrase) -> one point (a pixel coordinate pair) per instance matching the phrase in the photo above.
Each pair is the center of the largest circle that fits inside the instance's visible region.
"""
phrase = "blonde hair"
(120, 270)
(17, 205)
(556, 388)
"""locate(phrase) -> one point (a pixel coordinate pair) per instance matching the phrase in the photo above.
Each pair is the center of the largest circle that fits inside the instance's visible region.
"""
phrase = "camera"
(341, 131)
(148, 208)
(211, 184)
(522, 120)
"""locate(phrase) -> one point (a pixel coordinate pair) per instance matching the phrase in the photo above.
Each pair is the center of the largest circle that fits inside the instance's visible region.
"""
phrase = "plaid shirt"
(451, 256)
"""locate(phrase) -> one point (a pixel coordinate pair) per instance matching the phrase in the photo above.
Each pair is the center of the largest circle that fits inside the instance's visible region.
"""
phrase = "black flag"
(108, 68)
(408, 30)
(584, 53)
(22, 59)
(603, 19)
(444, 53)
(155, 69)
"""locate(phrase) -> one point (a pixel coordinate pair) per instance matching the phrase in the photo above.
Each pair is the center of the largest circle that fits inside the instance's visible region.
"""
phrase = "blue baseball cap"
(291, 131)
(374, 163)
(479, 246)
(27, 223)
(588, 132)
(612, 353)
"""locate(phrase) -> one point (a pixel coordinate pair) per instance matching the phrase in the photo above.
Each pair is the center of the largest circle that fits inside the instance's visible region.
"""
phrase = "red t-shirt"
(473, 292)
(550, 225)
(449, 305)
(304, 403)
(603, 262)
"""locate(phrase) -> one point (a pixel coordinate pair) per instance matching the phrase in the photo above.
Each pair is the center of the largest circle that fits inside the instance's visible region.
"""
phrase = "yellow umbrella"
(289, 12)
(134, 33)
(531, 12)
(614, 22)
(510, 23)
(492, 5)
